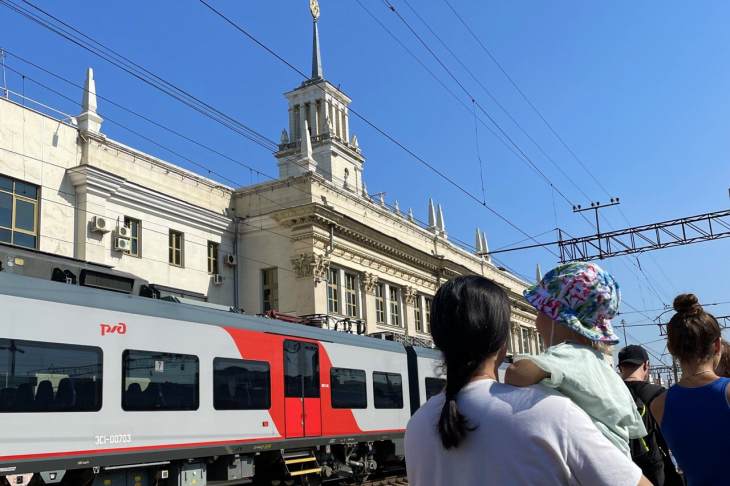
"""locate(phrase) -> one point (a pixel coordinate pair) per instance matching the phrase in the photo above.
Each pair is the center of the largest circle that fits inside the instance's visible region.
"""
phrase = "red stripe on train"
(169, 446)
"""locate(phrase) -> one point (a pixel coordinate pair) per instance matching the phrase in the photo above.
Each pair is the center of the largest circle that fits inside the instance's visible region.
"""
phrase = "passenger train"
(103, 388)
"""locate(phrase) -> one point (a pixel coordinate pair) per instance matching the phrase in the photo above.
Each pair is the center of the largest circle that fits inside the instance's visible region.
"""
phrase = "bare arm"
(525, 373)
(644, 482)
(657, 407)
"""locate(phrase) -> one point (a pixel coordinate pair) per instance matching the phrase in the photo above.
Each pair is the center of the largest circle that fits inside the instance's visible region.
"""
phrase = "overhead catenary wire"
(75, 41)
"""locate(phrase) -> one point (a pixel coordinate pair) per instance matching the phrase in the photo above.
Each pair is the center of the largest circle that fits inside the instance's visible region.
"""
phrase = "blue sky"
(638, 90)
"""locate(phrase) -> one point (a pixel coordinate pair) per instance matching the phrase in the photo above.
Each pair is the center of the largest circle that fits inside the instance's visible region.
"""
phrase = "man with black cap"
(650, 453)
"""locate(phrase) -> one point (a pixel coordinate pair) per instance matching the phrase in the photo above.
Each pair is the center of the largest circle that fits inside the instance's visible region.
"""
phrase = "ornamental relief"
(369, 283)
(310, 265)
(410, 295)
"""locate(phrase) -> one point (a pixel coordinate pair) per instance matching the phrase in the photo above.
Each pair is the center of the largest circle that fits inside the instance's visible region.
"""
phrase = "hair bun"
(687, 304)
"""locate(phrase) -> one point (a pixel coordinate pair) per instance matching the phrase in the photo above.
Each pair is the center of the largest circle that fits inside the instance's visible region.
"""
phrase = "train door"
(301, 389)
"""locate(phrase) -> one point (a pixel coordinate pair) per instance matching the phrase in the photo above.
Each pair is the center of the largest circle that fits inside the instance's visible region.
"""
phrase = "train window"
(159, 381)
(387, 390)
(348, 388)
(434, 386)
(241, 385)
(49, 377)
(301, 369)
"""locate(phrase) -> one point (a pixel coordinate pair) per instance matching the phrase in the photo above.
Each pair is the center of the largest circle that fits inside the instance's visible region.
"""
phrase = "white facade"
(312, 242)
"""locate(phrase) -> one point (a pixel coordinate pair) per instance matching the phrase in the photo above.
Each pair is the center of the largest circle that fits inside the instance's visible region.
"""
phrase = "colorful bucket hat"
(581, 296)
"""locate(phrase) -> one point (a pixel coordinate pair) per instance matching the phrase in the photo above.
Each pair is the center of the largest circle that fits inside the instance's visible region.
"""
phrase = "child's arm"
(524, 373)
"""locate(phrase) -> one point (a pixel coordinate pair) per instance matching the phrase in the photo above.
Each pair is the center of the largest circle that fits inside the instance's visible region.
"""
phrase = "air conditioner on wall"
(122, 244)
(124, 232)
(231, 260)
(99, 224)
(217, 279)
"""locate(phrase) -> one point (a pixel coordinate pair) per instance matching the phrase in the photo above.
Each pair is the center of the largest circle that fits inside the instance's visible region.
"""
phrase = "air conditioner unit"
(124, 232)
(217, 279)
(231, 260)
(99, 224)
(122, 244)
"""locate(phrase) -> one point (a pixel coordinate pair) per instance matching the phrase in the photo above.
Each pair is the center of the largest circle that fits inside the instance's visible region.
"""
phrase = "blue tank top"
(696, 426)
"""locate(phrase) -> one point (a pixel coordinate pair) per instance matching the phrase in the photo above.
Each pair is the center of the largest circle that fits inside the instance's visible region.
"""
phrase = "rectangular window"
(18, 212)
(524, 341)
(380, 303)
(333, 296)
(212, 257)
(301, 369)
(348, 388)
(434, 386)
(427, 313)
(241, 385)
(418, 314)
(49, 377)
(159, 381)
(176, 248)
(134, 225)
(387, 390)
(350, 295)
(270, 289)
(394, 294)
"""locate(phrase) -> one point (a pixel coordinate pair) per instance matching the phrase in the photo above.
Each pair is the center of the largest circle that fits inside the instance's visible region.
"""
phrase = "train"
(105, 389)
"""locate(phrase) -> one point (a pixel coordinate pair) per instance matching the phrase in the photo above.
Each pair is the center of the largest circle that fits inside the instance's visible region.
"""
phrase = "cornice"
(92, 180)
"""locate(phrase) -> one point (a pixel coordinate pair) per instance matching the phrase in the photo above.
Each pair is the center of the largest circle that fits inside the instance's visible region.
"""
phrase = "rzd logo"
(120, 328)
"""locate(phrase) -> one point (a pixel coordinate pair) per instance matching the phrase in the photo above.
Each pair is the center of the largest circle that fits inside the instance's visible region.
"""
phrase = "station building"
(78, 206)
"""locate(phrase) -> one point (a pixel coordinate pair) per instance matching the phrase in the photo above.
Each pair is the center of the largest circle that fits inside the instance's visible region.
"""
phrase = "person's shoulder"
(427, 413)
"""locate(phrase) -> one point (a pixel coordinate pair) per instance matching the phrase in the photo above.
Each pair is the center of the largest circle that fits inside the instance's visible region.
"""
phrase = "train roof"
(36, 288)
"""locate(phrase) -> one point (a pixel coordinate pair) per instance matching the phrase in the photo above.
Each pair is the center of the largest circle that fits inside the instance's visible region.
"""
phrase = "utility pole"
(595, 206)
(623, 324)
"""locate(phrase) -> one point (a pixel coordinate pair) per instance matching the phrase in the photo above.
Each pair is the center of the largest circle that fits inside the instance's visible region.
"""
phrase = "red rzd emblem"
(120, 328)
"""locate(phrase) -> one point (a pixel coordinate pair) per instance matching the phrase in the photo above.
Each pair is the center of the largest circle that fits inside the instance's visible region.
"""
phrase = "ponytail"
(469, 323)
(453, 426)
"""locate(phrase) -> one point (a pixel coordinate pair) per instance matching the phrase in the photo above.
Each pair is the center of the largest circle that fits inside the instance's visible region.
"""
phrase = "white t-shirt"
(524, 436)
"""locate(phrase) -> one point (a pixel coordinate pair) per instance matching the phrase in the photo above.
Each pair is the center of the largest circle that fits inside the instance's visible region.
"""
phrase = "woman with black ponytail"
(481, 432)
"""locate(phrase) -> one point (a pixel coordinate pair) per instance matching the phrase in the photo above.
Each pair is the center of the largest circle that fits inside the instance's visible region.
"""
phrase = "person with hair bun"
(694, 414)
(482, 432)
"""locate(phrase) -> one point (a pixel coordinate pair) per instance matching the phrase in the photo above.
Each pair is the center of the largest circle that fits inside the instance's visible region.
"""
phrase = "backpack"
(645, 451)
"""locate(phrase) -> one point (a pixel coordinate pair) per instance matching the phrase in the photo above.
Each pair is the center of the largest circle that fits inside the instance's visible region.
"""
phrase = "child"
(580, 298)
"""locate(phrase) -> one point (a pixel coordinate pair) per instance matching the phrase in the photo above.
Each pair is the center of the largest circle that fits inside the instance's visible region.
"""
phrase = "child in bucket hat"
(575, 304)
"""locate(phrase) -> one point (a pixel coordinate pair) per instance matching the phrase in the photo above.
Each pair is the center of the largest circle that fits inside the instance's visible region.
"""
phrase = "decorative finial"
(411, 218)
(314, 9)
(396, 206)
(440, 223)
(354, 142)
(89, 120)
(306, 143)
(431, 215)
(284, 137)
(478, 242)
(382, 199)
(485, 247)
(538, 273)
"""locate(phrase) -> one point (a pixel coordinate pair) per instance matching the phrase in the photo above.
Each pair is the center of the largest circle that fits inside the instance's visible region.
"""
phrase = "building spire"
(89, 120)
(316, 57)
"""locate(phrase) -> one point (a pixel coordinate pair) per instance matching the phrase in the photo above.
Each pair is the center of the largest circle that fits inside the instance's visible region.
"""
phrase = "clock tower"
(318, 139)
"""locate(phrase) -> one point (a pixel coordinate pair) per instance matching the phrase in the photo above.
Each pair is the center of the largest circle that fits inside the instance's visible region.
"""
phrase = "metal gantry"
(675, 232)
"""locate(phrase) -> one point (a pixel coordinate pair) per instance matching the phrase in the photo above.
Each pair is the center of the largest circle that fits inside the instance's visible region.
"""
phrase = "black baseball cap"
(633, 354)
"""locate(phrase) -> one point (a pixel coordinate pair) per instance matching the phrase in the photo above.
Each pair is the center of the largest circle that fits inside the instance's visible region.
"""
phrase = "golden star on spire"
(314, 8)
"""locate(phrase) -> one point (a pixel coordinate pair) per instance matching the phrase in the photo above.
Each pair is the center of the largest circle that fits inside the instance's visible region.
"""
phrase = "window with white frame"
(135, 243)
(427, 301)
(418, 313)
(525, 340)
(333, 291)
(380, 303)
(394, 306)
(351, 295)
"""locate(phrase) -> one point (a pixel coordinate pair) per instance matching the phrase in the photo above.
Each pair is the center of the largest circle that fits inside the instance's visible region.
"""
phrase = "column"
(386, 302)
(338, 123)
(315, 118)
(302, 117)
(292, 135)
(345, 126)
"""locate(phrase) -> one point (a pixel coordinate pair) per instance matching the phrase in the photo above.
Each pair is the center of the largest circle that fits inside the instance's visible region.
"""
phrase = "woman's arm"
(525, 373)
(657, 407)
